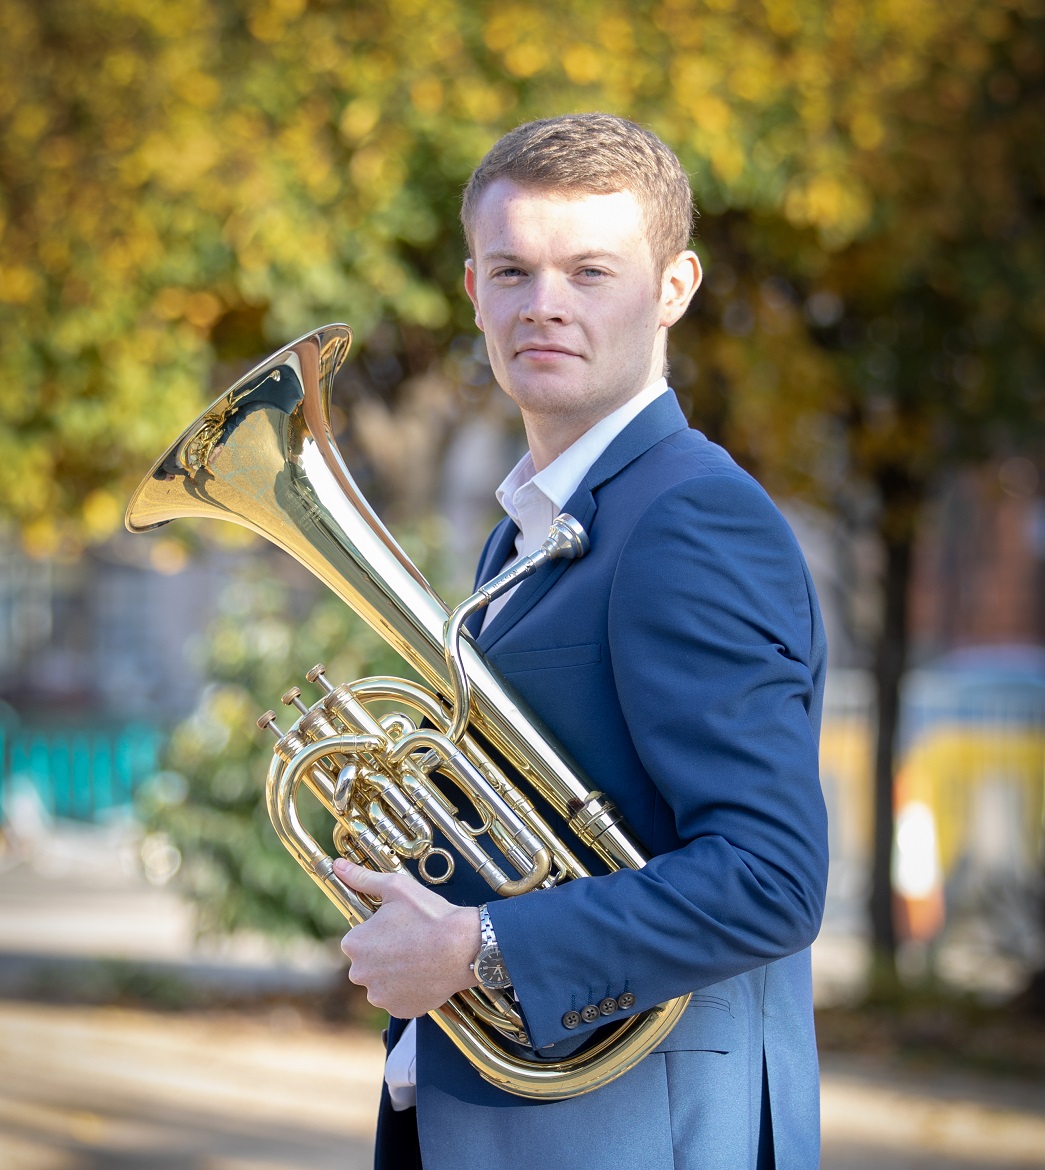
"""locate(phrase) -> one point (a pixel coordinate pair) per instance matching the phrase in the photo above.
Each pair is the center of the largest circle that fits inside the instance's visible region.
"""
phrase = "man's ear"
(681, 280)
(469, 288)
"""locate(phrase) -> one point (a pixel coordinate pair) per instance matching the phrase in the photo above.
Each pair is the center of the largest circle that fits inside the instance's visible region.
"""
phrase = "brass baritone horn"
(264, 456)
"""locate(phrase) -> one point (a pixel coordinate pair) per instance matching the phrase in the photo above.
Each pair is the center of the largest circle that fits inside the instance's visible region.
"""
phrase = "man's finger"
(365, 881)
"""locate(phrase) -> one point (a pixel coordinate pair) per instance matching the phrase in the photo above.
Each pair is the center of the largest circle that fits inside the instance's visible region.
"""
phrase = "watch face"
(490, 969)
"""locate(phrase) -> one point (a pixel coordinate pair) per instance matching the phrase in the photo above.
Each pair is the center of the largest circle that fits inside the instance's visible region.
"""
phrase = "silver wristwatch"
(489, 966)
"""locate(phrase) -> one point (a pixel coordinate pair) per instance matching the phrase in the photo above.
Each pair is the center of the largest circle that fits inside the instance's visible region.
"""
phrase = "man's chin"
(553, 398)
(535, 380)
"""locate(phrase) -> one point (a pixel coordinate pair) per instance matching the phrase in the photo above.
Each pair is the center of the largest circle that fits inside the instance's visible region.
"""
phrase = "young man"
(680, 663)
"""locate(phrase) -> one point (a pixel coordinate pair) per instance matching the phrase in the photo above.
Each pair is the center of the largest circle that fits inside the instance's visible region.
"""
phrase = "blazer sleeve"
(710, 634)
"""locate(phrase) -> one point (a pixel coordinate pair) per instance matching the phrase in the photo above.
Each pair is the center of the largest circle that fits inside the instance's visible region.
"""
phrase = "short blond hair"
(593, 154)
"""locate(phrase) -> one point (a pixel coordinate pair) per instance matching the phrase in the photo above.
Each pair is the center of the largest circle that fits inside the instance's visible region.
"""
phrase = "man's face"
(574, 313)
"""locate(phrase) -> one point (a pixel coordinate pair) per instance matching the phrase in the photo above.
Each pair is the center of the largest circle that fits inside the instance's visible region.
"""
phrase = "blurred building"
(103, 637)
(980, 566)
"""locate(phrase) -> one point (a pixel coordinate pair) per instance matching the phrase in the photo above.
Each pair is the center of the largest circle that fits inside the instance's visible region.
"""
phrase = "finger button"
(571, 1020)
(608, 1006)
(589, 1013)
(625, 1000)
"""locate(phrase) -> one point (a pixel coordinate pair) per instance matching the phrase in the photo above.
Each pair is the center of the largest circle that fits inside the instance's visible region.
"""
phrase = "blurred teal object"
(78, 773)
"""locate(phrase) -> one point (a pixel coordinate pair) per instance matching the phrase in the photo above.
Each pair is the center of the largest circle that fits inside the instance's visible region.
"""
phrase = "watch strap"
(487, 937)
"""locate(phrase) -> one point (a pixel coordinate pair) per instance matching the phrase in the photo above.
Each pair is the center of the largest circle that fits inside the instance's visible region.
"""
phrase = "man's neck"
(586, 448)
(547, 442)
(547, 436)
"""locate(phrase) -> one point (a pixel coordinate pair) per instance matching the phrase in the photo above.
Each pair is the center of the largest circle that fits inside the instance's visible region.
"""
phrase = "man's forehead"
(596, 221)
(504, 192)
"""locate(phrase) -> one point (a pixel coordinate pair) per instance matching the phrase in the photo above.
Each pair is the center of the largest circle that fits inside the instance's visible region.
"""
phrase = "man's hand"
(414, 953)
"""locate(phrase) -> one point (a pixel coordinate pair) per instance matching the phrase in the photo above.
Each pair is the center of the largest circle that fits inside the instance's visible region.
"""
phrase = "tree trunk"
(890, 661)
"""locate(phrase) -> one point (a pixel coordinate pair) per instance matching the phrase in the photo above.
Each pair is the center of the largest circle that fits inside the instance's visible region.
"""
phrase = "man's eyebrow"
(510, 256)
(576, 258)
(583, 257)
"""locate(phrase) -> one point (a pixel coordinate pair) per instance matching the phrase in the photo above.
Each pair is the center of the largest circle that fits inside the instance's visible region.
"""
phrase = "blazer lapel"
(661, 418)
(499, 546)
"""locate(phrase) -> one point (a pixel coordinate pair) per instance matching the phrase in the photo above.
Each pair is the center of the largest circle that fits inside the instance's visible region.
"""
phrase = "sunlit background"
(186, 185)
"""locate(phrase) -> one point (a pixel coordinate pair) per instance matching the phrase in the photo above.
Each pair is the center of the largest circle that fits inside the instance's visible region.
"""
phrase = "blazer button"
(589, 1013)
(571, 1019)
(608, 1006)
(625, 1000)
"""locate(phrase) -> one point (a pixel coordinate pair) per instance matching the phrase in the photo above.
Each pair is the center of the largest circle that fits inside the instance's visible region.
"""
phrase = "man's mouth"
(545, 352)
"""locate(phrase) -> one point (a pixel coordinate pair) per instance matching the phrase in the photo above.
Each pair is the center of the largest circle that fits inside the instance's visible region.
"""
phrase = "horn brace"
(263, 456)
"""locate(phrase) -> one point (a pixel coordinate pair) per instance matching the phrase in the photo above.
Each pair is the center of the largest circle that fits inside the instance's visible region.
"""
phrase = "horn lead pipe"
(566, 541)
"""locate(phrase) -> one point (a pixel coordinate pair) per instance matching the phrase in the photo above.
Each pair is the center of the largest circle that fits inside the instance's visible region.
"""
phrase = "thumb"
(366, 881)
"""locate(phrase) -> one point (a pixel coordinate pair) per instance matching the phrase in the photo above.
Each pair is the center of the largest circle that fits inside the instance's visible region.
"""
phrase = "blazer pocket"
(554, 658)
(707, 1026)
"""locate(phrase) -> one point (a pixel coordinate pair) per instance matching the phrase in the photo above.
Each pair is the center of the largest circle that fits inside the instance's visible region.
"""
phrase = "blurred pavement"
(111, 1089)
(104, 1088)
(79, 894)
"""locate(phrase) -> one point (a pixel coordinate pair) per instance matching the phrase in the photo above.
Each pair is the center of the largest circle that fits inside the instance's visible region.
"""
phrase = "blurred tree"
(274, 622)
(181, 179)
(185, 180)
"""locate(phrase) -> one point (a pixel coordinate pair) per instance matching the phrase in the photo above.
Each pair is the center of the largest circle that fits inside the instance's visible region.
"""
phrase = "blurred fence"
(76, 773)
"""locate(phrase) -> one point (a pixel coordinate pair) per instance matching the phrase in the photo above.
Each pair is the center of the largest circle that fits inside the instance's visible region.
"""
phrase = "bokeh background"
(186, 185)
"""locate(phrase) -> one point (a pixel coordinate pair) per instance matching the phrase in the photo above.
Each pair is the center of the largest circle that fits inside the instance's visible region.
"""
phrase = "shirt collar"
(561, 478)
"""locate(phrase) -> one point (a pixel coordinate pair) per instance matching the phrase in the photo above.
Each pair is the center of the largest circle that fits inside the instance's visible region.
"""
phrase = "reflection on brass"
(264, 456)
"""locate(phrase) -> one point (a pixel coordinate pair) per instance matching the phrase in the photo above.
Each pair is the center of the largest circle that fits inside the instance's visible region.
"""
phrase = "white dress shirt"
(532, 499)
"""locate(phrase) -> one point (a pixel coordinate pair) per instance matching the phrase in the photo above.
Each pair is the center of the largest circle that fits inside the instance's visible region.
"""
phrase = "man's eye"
(593, 273)
(511, 273)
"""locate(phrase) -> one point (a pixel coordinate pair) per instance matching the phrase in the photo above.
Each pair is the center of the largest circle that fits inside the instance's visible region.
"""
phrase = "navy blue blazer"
(681, 665)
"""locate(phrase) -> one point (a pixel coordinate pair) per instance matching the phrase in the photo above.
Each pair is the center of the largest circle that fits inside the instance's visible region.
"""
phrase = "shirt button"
(625, 1000)
(608, 1006)
(589, 1013)
(571, 1019)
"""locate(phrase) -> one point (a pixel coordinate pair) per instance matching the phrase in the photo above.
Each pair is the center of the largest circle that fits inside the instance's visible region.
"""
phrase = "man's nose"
(548, 300)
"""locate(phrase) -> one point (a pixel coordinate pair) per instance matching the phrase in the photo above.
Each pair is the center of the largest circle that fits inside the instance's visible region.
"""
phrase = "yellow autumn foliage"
(170, 166)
